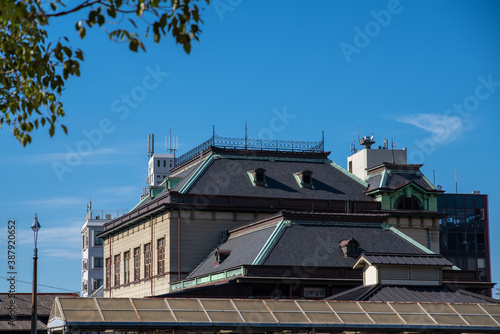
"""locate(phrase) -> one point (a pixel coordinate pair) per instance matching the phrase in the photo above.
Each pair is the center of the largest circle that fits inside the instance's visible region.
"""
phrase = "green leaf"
(187, 47)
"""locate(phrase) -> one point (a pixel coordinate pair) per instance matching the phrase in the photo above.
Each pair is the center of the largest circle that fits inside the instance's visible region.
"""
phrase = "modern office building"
(464, 238)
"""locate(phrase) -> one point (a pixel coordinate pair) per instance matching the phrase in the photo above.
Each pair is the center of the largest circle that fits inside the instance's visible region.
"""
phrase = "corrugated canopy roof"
(402, 259)
(195, 315)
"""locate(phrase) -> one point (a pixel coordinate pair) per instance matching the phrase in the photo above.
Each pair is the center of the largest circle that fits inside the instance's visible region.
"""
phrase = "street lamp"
(35, 227)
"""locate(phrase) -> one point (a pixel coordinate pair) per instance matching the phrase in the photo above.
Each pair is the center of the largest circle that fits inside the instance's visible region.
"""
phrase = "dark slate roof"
(439, 294)
(318, 245)
(374, 181)
(407, 259)
(395, 181)
(244, 249)
(228, 176)
(314, 243)
(396, 177)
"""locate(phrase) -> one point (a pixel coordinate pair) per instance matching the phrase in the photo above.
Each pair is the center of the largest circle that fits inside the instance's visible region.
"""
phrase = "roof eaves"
(360, 262)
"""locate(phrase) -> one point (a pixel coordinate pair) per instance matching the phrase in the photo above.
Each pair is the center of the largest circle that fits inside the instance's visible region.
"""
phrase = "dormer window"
(350, 247)
(304, 179)
(221, 255)
(258, 177)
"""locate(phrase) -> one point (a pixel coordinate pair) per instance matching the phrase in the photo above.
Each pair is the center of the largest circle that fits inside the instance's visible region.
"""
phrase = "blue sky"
(425, 73)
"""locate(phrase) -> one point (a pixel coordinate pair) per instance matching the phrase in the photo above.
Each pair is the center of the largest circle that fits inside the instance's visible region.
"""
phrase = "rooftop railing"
(253, 144)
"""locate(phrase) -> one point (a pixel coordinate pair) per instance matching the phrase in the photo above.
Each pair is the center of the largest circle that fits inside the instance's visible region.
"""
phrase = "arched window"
(408, 203)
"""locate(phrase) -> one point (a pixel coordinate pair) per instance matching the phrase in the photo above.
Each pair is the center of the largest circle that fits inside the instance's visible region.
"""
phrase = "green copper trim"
(172, 182)
(140, 202)
(271, 241)
(253, 181)
(196, 175)
(383, 179)
(268, 158)
(354, 177)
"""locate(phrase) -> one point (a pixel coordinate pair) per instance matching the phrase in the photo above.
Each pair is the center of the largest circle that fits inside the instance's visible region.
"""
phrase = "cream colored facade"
(200, 233)
(423, 230)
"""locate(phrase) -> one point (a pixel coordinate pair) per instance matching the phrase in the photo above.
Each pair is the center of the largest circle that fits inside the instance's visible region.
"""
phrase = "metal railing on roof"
(253, 144)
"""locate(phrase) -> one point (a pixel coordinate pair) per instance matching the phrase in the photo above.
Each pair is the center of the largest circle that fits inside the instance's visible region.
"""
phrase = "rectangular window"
(161, 256)
(126, 267)
(85, 264)
(117, 270)
(147, 260)
(137, 263)
(108, 272)
(310, 292)
(97, 241)
(97, 283)
(98, 262)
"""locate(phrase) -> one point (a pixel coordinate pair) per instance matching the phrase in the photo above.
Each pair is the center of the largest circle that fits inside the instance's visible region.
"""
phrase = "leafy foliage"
(34, 70)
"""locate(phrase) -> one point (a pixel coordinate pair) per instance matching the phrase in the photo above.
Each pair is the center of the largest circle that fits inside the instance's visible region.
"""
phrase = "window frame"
(137, 263)
(126, 267)
(147, 260)
(108, 272)
(117, 270)
(161, 256)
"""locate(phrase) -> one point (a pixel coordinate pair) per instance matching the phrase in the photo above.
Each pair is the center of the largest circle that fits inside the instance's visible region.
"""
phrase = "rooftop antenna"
(151, 144)
(358, 133)
(172, 145)
(323, 140)
(246, 137)
(386, 144)
(353, 147)
(456, 181)
(392, 149)
(434, 176)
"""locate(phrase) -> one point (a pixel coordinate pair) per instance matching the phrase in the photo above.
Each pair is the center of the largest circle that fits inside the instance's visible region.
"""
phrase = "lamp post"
(35, 227)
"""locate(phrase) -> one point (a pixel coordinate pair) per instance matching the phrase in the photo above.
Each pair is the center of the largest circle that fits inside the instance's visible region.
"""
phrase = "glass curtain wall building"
(464, 236)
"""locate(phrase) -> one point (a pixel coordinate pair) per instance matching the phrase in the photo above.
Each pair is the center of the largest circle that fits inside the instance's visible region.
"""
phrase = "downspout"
(179, 245)
(429, 239)
(109, 283)
(151, 264)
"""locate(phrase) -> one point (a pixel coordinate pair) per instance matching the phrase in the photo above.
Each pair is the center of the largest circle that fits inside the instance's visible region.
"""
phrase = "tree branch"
(77, 8)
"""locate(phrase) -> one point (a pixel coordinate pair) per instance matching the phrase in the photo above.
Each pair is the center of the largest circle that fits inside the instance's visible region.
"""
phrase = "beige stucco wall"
(201, 232)
(423, 230)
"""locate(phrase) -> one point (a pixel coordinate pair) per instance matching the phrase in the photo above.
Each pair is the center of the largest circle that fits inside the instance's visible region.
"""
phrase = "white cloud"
(55, 202)
(444, 128)
(62, 253)
(95, 157)
(65, 237)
